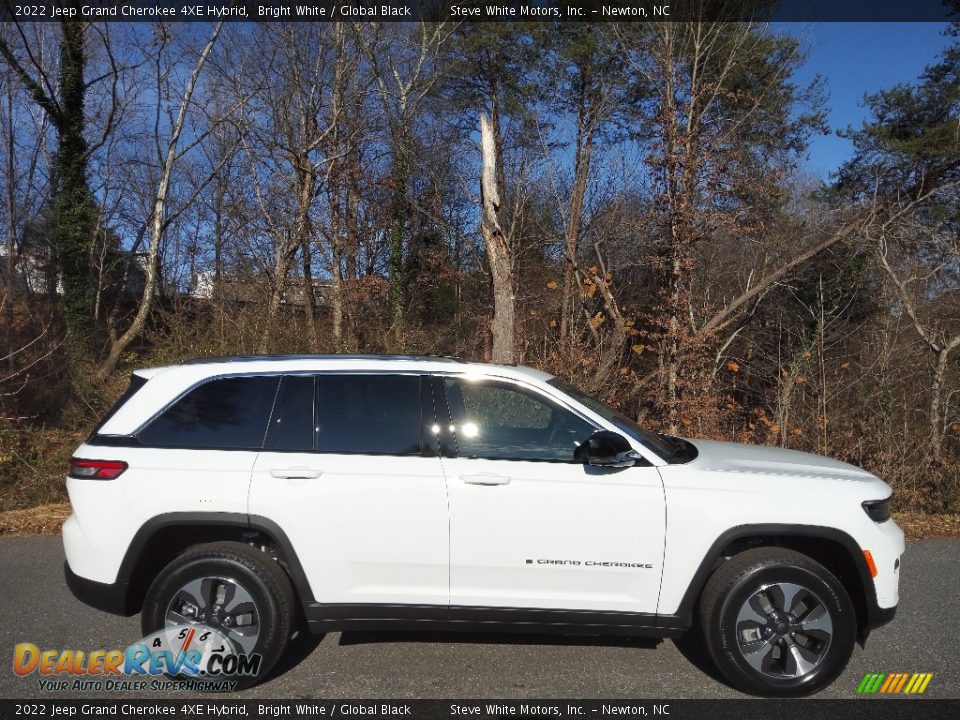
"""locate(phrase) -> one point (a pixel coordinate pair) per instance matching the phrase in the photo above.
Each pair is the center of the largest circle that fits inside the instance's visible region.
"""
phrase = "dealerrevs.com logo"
(180, 657)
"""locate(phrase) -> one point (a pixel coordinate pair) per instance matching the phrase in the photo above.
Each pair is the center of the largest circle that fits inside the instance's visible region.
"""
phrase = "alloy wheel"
(784, 630)
(218, 602)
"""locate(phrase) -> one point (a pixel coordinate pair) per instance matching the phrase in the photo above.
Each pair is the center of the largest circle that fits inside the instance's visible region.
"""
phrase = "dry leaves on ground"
(41, 520)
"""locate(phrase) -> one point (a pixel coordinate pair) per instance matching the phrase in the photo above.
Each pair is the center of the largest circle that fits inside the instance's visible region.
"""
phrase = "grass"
(40, 520)
(47, 519)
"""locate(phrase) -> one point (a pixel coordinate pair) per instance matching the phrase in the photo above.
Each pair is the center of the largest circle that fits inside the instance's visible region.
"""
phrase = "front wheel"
(777, 623)
(237, 591)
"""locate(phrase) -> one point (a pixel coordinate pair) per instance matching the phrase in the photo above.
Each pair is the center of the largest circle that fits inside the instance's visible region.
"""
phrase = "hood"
(739, 458)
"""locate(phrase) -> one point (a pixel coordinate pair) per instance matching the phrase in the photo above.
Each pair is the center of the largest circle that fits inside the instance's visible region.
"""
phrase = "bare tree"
(287, 140)
(160, 217)
(403, 67)
(940, 334)
(498, 248)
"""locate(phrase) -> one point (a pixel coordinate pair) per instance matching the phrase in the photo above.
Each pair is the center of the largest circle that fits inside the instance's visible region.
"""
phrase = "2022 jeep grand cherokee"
(395, 492)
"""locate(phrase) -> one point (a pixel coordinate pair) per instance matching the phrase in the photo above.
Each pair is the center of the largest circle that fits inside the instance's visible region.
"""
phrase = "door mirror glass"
(606, 449)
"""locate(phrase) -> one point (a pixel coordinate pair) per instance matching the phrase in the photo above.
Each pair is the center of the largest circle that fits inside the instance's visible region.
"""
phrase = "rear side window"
(292, 426)
(228, 414)
(370, 414)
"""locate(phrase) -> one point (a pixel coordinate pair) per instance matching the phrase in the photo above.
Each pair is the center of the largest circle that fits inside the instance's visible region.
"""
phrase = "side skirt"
(330, 617)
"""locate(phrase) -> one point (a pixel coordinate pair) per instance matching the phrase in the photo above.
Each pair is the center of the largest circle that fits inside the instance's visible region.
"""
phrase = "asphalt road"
(35, 606)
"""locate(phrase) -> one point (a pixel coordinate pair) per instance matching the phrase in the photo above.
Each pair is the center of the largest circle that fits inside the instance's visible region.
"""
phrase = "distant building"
(255, 290)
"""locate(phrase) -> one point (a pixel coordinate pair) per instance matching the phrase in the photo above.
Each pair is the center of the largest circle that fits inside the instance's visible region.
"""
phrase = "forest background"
(623, 205)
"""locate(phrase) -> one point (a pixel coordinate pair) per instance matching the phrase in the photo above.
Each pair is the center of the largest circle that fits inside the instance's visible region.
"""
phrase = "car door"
(349, 474)
(531, 528)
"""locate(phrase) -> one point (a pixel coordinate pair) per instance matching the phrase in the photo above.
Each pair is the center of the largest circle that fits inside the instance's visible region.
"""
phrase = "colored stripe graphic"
(903, 681)
(870, 683)
(891, 680)
(894, 683)
(918, 683)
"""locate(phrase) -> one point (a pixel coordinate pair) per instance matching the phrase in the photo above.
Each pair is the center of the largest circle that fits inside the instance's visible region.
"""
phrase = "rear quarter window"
(227, 413)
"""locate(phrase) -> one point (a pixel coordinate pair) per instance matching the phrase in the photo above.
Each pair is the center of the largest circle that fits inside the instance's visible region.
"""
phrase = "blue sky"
(856, 59)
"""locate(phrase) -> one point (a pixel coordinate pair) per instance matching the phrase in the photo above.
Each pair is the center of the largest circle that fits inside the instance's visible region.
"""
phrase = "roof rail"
(335, 356)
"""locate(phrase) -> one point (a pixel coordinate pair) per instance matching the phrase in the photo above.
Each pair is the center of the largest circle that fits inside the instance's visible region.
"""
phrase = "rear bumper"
(109, 597)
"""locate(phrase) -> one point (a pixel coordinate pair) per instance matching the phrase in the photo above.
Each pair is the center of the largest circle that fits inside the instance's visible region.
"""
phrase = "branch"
(45, 101)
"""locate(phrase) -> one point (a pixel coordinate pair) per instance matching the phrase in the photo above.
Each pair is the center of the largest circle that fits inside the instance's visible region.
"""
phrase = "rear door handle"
(295, 473)
(486, 479)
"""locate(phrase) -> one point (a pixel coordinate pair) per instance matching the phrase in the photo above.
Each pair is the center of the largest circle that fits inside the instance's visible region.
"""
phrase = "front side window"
(673, 450)
(369, 414)
(501, 421)
(227, 414)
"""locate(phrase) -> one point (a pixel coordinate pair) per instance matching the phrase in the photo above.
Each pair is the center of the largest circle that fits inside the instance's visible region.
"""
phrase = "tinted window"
(292, 425)
(658, 443)
(373, 414)
(231, 413)
(503, 421)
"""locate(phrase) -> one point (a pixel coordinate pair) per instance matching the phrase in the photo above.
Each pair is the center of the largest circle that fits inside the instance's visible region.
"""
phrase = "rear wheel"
(777, 623)
(234, 589)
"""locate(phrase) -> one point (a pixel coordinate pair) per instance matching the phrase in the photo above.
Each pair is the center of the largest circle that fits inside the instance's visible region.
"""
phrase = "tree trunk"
(581, 174)
(936, 399)
(73, 205)
(498, 249)
(350, 252)
(398, 228)
(281, 272)
(309, 298)
(10, 285)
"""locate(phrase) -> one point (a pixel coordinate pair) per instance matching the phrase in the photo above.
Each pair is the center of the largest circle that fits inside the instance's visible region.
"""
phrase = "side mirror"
(606, 448)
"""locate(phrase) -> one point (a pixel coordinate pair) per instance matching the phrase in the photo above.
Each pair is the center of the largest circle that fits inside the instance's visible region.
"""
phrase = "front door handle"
(295, 473)
(486, 479)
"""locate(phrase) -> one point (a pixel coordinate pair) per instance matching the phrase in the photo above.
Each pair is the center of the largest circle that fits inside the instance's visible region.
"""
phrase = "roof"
(337, 356)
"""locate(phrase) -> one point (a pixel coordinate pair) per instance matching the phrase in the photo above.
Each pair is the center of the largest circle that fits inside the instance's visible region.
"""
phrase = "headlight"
(878, 510)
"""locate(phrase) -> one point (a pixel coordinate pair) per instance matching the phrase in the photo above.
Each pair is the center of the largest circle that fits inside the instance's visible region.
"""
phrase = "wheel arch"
(832, 548)
(164, 537)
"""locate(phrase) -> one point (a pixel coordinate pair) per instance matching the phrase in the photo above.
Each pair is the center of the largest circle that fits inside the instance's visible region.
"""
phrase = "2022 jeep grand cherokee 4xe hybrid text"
(397, 492)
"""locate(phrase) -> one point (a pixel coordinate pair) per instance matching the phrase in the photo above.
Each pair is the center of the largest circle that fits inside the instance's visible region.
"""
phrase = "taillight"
(83, 469)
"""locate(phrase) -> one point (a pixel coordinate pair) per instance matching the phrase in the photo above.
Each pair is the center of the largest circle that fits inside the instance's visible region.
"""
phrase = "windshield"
(662, 445)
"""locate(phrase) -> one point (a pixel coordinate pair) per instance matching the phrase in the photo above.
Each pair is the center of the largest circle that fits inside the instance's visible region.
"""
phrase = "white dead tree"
(159, 219)
(498, 249)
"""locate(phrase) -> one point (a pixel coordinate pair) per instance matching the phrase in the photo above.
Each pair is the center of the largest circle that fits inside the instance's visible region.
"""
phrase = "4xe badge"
(203, 657)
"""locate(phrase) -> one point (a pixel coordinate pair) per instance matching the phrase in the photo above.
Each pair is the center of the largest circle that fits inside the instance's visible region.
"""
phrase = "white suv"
(374, 492)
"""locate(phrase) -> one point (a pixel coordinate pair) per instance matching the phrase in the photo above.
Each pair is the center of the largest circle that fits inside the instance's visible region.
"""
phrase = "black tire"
(257, 573)
(748, 585)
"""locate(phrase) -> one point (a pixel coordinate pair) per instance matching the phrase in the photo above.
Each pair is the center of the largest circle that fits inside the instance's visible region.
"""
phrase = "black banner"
(215, 707)
(475, 11)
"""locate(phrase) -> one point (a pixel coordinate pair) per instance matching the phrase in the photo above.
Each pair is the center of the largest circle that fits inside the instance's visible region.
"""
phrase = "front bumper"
(878, 617)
